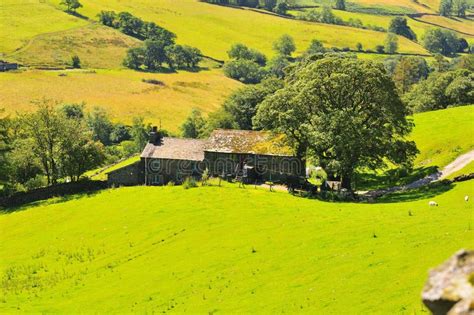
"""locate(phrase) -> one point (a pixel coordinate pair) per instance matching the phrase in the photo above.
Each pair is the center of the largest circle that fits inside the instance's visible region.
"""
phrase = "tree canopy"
(343, 112)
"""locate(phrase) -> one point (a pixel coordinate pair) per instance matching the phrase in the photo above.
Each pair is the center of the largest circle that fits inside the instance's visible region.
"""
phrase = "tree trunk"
(346, 179)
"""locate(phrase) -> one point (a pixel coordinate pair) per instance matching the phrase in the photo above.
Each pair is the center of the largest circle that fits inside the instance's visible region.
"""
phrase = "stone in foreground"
(450, 286)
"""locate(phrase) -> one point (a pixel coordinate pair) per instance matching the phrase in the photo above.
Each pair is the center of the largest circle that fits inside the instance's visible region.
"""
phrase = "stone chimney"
(155, 136)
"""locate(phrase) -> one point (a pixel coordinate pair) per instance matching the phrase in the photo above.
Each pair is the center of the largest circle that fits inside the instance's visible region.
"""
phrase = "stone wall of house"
(130, 175)
(163, 171)
(267, 167)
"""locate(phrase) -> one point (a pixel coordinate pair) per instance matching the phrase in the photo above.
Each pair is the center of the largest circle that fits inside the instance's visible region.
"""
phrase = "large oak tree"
(343, 112)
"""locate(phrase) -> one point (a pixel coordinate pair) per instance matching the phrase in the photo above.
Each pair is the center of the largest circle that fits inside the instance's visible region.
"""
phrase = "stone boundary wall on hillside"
(60, 190)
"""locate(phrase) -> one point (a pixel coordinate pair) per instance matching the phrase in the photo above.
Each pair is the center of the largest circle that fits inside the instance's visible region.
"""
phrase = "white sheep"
(466, 198)
(433, 204)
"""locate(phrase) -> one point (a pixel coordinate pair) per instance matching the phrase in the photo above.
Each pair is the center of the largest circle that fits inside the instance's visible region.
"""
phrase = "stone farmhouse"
(249, 156)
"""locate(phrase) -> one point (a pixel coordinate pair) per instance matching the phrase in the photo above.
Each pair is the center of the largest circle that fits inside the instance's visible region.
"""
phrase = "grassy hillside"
(97, 46)
(464, 27)
(21, 20)
(121, 92)
(443, 135)
(214, 28)
(169, 249)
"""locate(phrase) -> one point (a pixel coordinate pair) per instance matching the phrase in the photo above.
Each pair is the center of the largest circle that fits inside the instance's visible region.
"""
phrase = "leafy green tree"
(344, 112)
(327, 16)
(194, 126)
(409, 71)
(241, 52)
(135, 58)
(281, 7)
(285, 45)
(445, 7)
(459, 8)
(441, 41)
(391, 43)
(45, 127)
(315, 47)
(341, 4)
(268, 4)
(79, 153)
(220, 119)
(246, 71)
(4, 146)
(175, 56)
(75, 111)
(108, 18)
(120, 133)
(440, 63)
(130, 25)
(277, 66)
(153, 32)
(462, 45)
(192, 56)
(399, 26)
(71, 5)
(75, 62)
(442, 89)
(23, 163)
(243, 103)
(155, 54)
(139, 133)
(99, 123)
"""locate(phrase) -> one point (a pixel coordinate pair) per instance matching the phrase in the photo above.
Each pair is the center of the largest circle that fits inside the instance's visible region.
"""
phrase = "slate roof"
(247, 142)
(176, 149)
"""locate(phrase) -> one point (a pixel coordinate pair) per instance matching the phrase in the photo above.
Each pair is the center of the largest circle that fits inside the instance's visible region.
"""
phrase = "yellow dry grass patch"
(121, 92)
(97, 46)
(397, 3)
(456, 24)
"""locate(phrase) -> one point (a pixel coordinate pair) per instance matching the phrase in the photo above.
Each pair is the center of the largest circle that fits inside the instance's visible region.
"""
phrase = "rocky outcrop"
(450, 286)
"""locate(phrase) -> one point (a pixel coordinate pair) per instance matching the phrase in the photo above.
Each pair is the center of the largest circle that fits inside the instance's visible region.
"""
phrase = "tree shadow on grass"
(391, 178)
(78, 15)
(425, 192)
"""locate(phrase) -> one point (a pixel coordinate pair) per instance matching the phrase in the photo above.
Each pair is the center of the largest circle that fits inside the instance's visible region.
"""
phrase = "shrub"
(76, 62)
(441, 41)
(37, 182)
(246, 71)
(189, 182)
(240, 51)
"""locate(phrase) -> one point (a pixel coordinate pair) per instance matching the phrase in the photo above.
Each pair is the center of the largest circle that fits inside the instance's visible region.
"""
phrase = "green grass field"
(121, 92)
(21, 20)
(228, 250)
(443, 135)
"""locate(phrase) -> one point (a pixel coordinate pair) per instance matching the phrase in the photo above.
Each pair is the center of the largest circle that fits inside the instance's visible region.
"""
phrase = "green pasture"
(443, 135)
(226, 250)
(21, 20)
